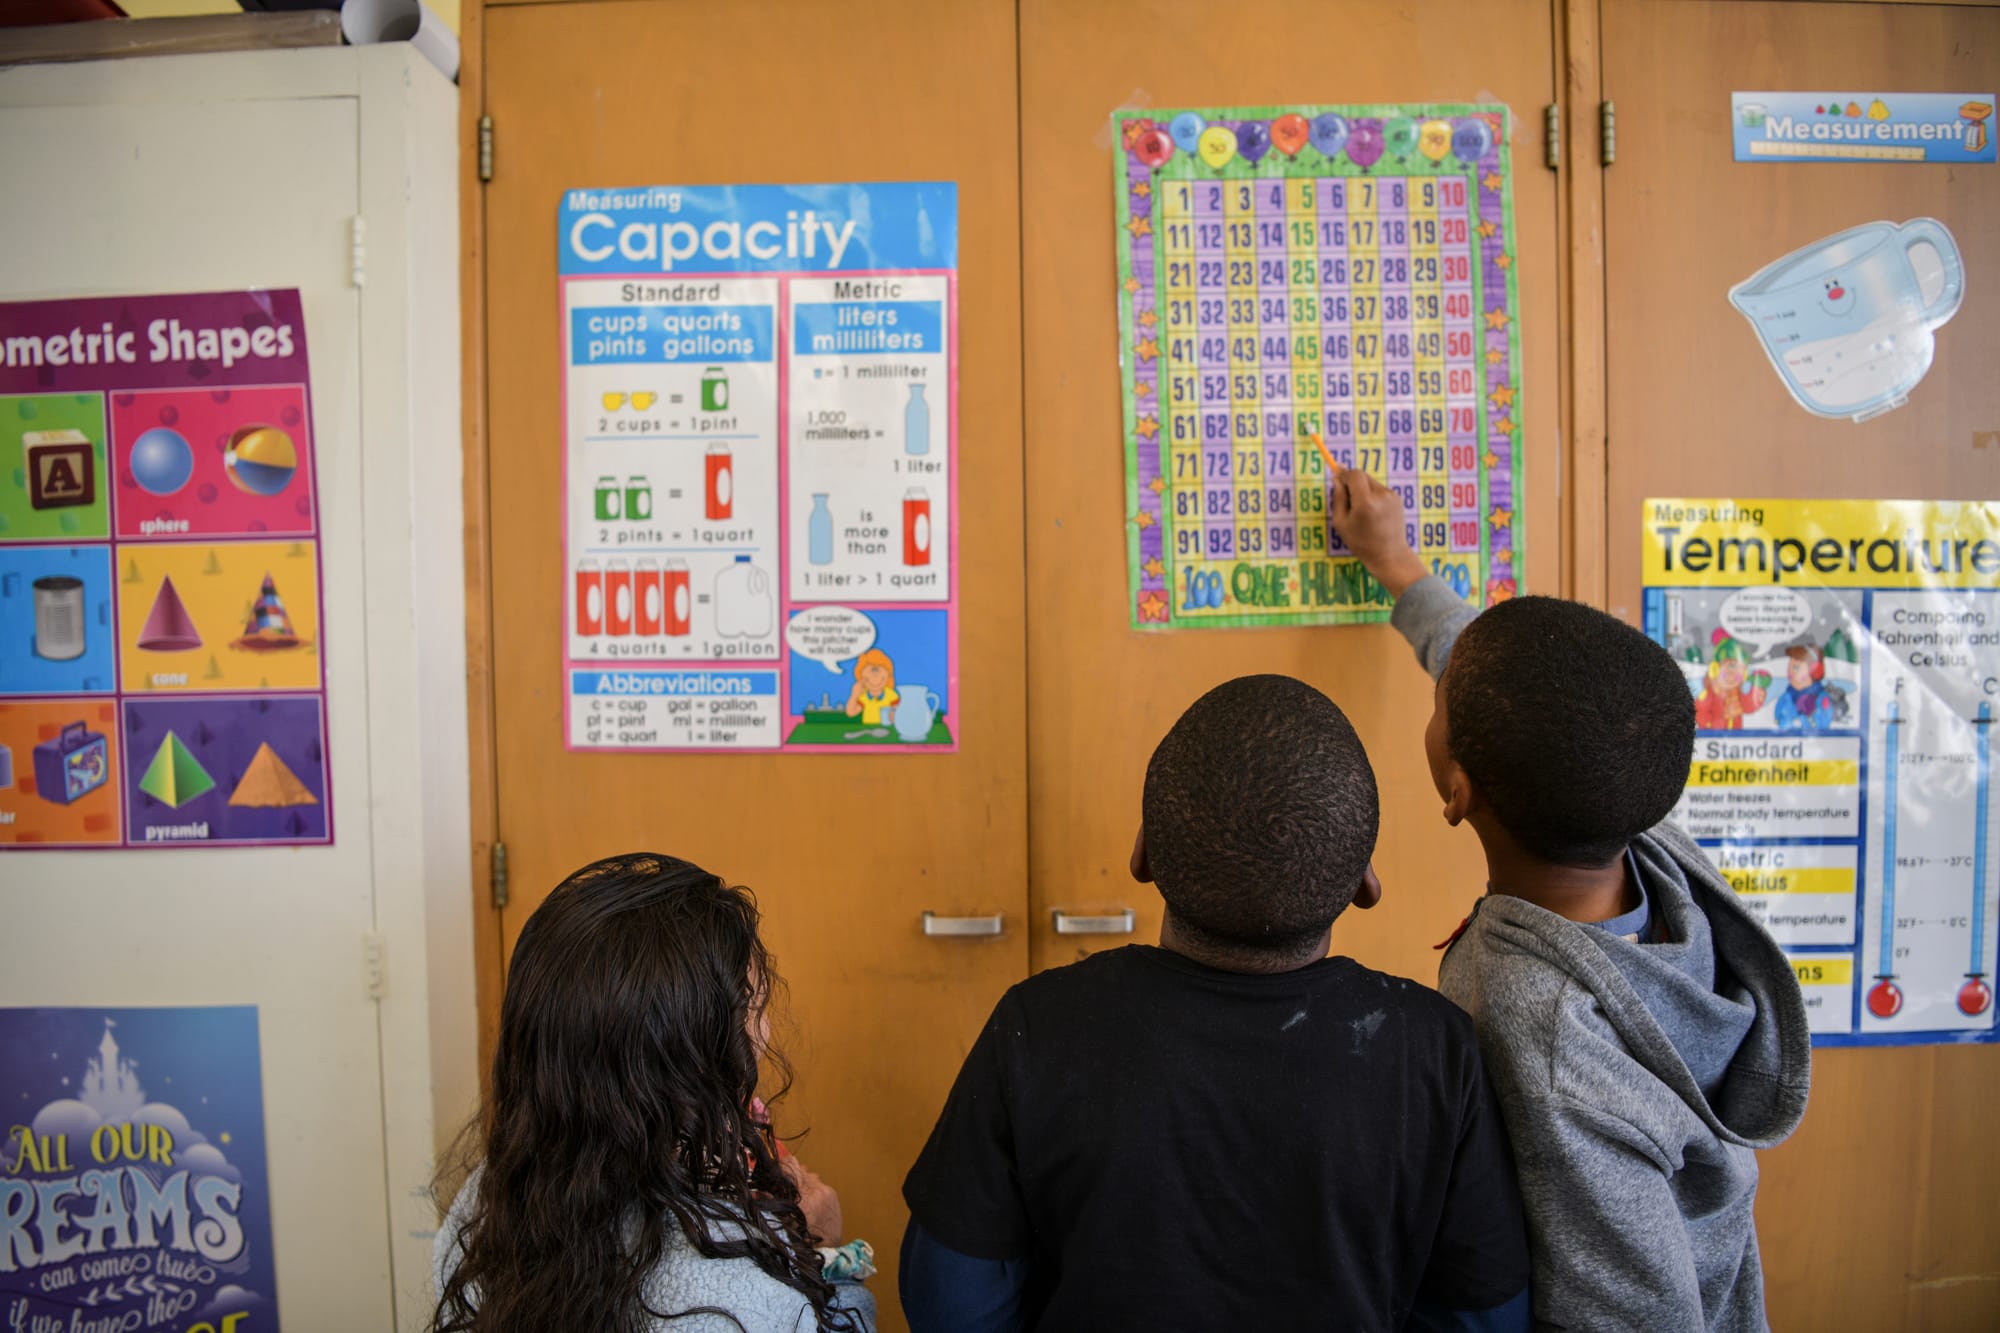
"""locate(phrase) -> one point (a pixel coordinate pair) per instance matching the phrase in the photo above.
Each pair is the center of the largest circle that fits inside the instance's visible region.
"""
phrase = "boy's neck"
(1585, 894)
(1226, 956)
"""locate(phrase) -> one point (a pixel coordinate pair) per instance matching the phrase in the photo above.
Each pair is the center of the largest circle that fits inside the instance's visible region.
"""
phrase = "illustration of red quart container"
(648, 601)
(589, 598)
(675, 598)
(618, 598)
(718, 493)
(916, 526)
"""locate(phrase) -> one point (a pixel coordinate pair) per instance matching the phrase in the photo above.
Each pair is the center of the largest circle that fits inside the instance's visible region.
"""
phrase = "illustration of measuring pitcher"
(1847, 321)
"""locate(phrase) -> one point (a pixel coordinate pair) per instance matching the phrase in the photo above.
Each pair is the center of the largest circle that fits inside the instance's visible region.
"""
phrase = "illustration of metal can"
(916, 526)
(648, 605)
(675, 597)
(714, 390)
(638, 499)
(589, 599)
(618, 598)
(719, 483)
(610, 501)
(59, 618)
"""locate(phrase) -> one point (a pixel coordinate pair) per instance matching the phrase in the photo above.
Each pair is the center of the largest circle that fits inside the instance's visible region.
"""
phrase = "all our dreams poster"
(134, 1193)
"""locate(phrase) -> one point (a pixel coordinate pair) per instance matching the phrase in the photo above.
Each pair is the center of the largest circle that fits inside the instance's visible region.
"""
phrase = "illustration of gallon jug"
(743, 601)
(1847, 321)
(916, 709)
(714, 390)
(718, 488)
(916, 526)
(610, 501)
(917, 422)
(819, 531)
(59, 618)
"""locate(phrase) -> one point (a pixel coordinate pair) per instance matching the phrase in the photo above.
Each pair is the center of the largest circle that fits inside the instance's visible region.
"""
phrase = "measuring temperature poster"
(1305, 285)
(1844, 656)
(760, 461)
(161, 640)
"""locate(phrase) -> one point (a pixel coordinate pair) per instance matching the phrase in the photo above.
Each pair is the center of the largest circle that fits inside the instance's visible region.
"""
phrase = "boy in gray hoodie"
(1645, 1036)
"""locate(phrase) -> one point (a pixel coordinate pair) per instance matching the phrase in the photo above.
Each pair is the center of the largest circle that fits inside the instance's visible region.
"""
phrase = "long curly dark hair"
(618, 1125)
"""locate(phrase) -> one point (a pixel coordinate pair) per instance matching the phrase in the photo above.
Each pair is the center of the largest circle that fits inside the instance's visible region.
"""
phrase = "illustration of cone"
(175, 776)
(267, 784)
(269, 628)
(169, 628)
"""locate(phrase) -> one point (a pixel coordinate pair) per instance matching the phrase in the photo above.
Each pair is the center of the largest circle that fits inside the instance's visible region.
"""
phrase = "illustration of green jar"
(714, 390)
(610, 500)
(638, 499)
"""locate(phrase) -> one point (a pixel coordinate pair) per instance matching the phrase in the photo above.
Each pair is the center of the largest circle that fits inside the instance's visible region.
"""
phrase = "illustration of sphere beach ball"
(261, 460)
(162, 461)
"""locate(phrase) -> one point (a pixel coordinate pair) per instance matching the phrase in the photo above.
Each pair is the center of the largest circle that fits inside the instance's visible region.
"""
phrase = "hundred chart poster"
(1845, 661)
(134, 1193)
(162, 676)
(760, 457)
(1304, 286)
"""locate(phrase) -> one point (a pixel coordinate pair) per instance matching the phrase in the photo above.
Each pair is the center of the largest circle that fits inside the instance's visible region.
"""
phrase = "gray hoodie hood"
(1714, 1014)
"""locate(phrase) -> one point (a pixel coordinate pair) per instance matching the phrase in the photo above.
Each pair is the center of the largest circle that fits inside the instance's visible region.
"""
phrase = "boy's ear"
(1461, 797)
(1142, 869)
(1370, 891)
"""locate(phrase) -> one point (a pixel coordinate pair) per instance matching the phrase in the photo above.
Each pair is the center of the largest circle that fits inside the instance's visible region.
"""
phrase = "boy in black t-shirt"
(1232, 1130)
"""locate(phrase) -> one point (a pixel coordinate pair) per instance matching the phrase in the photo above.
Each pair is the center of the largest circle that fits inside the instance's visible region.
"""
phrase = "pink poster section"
(161, 672)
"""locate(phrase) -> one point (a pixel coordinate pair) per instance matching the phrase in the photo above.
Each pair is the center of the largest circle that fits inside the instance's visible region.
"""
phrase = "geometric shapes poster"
(1844, 659)
(1304, 288)
(159, 534)
(134, 1191)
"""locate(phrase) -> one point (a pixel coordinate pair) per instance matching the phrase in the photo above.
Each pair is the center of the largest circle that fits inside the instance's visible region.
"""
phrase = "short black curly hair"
(1576, 728)
(1260, 813)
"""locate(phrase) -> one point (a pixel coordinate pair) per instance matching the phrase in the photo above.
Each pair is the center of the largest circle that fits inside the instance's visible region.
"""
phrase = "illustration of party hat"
(175, 775)
(268, 784)
(269, 627)
(169, 628)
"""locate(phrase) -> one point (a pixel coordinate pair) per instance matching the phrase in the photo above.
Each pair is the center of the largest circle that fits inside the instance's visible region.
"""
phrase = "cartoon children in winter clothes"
(1731, 690)
(1807, 704)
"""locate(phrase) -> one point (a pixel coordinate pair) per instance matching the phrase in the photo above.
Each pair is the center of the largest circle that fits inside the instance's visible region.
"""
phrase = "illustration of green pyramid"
(175, 775)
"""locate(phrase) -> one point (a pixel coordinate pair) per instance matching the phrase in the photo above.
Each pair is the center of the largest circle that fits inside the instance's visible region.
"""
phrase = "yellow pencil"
(1332, 464)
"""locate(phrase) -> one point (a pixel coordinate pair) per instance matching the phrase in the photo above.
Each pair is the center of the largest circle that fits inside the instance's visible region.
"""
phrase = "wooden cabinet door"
(1874, 1215)
(1101, 694)
(845, 852)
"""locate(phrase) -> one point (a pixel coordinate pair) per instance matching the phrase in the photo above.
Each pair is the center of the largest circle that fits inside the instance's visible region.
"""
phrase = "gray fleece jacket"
(1637, 1080)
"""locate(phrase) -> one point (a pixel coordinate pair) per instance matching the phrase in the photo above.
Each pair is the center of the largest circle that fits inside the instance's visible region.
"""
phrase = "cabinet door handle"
(1117, 923)
(935, 925)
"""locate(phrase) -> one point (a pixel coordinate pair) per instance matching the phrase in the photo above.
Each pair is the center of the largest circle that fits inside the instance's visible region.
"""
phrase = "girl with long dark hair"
(622, 1182)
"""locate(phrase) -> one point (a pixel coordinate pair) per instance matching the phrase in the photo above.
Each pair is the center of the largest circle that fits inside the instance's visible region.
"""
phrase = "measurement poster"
(1844, 657)
(1303, 287)
(760, 458)
(162, 676)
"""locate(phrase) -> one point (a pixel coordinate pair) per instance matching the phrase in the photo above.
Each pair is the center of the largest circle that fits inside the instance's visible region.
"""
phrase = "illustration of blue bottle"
(819, 531)
(917, 423)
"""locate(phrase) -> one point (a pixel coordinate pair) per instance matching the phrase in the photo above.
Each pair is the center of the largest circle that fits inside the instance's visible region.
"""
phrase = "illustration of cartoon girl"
(1806, 704)
(1727, 696)
(874, 688)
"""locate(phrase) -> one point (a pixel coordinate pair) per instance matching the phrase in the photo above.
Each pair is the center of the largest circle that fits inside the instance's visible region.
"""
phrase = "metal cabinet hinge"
(1552, 135)
(486, 148)
(1607, 121)
(496, 879)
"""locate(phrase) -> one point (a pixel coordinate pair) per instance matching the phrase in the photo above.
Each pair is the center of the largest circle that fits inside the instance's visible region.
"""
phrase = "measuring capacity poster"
(1844, 656)
(1302, 287)
(760, 461)
(133, 1188)
(161, 664)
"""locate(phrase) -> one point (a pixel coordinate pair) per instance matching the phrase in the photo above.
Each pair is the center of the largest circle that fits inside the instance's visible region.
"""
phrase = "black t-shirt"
(1174, 1147)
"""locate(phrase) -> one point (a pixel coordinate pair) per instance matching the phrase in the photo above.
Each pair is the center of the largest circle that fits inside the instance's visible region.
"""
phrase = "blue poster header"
(628, 334)
(833, 328)
(674, 684)
(1863, 127)
(759, 228)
